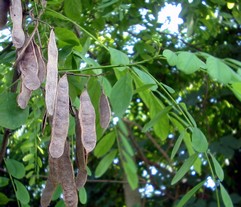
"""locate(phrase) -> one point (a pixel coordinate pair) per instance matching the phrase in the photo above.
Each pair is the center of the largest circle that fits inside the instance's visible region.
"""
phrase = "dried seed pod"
(87, 122)
(60, 122)
(105, 111)
(66, 178)
(81, 157)
(52, 74)
(24, 96)
(4, 8)
(41, 64)
(28, 67)
(18, 35)
(48, 193)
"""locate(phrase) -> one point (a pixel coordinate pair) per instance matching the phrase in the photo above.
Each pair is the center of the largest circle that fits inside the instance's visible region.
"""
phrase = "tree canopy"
(173, 137)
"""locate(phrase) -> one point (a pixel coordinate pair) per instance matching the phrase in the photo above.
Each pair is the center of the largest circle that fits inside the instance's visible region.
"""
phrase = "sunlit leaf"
(218, 70)
(72, 9)
(184, 168)
(189, 63)
(131, 176)
(170, 56)
(66, 36)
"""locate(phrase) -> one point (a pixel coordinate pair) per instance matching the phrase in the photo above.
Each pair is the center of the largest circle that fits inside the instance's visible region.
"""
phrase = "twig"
(149, 136)
(6, 135)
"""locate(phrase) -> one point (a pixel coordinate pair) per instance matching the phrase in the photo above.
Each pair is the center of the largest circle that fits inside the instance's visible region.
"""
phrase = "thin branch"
(149, 136)
(6, 135)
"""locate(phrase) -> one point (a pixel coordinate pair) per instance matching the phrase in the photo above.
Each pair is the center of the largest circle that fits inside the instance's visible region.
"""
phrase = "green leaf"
(126, 145)
(57, 193)
(184, 168)
(73, 9)
(156, 118)
(66, 36)
(189, 194)
(236, 88)
(118, 58)
(3, 181)
(105, 163)
(178, 143)
(121, 95)
(60, 204)
(199, 141)
(82, 195)
(127, 159)
(105, 144)
(131, 176)
(11, 116)
(21, 192)
(15, 168)
(170, 90)
(225, 196)
(143, 88)
(218, 168)
(3, 199)
(218, 70)
(189, 63)
(170, 56)
(28, 157)
(145, 78)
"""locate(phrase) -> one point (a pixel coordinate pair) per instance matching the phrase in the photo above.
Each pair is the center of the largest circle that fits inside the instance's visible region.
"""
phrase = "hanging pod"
(87, 122)
(60, 124)
(52, 74)
(105, 111)
(81, 156)
(16, 14)
(28, 67)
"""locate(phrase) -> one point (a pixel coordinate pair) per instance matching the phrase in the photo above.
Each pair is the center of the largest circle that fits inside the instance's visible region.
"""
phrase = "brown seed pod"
(41, 64)
(24, 96)
(87, 122)
(4, 8)
(105, 111)
(28, 67)
(48, 193)
(60, 122)
(66, 178)
(81, 157)
(18, 35)
(52, 74)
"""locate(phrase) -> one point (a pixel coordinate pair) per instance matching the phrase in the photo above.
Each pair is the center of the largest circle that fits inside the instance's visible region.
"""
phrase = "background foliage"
(175, 99)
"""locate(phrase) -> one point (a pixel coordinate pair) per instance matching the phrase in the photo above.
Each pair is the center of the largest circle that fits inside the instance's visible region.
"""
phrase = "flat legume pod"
(105, 111)
(24, 96)
(52, 74)
(87, 122)
(16, 14)
(60, 122)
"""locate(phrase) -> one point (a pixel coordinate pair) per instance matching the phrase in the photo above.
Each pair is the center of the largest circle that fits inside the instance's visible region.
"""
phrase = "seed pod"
(41, 63)
(18, 35)
(60, 123)
(48, 193)
(52, 74)
(28, 67)
(105, 111)
(87, 122)
(66, 178)
(81, 157)
(4, 8)
(24, 96)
